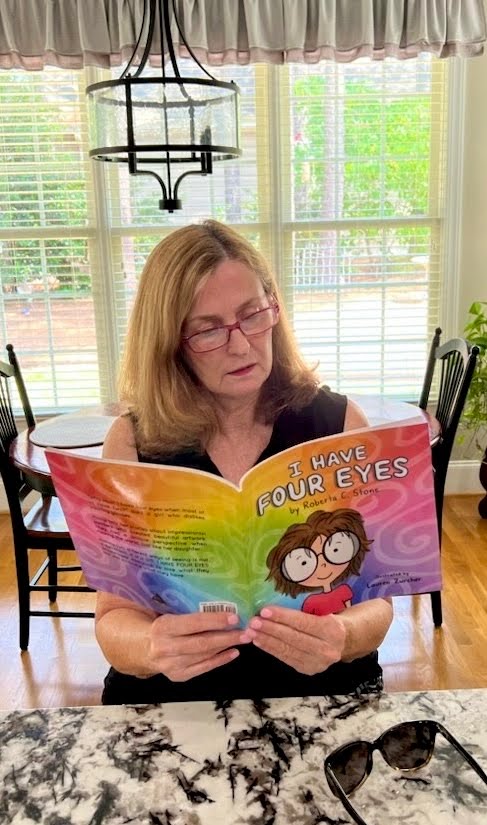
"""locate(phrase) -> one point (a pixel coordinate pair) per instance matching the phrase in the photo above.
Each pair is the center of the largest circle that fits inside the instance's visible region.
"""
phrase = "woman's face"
(238, 369)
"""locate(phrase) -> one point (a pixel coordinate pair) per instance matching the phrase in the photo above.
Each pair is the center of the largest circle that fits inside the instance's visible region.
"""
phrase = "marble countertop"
(245, 763)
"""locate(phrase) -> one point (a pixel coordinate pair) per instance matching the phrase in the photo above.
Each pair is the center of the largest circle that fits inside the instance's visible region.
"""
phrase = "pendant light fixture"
(153, 123)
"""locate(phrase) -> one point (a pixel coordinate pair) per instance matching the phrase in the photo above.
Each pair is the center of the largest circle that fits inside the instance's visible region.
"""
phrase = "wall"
(463, 475)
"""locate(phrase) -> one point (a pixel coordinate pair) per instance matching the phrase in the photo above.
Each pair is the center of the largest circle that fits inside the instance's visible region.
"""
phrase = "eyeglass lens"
(217, 337)
(405, 747)
(408, 746)
(351, 765)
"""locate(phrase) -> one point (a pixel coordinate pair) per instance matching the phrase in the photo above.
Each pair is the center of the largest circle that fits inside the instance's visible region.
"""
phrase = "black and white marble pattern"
(241, 763)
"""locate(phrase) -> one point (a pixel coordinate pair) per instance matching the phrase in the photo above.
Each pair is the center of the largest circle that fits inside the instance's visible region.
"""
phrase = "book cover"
(322, 525)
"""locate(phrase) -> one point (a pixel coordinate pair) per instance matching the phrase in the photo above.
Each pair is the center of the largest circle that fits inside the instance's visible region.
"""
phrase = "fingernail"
(255, 623)
(233, 654)
(266, 613)
(232, 619)
(247, 637)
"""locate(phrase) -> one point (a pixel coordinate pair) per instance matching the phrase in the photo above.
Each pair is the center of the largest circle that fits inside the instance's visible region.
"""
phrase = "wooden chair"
(43, 526)
(455, 360)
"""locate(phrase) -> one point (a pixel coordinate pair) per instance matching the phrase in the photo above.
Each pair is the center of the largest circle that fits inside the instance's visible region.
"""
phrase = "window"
(341, 184)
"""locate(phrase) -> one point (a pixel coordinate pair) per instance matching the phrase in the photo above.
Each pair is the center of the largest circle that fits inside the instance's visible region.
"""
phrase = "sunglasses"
(406, 747)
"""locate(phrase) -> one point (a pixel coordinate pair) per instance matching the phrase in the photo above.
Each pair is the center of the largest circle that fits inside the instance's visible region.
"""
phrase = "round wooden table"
(82, 432)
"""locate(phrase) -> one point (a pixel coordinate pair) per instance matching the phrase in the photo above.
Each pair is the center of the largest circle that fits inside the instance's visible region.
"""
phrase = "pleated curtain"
(76, 33)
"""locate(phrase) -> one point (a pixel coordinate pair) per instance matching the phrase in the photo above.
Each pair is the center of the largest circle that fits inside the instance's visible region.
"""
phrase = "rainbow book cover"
(318, 527)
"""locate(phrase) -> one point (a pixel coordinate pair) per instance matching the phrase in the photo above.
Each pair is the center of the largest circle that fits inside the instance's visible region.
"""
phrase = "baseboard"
(462, 479)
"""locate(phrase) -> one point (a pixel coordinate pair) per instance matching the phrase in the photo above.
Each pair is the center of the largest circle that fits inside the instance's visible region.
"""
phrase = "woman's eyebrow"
(219, 318)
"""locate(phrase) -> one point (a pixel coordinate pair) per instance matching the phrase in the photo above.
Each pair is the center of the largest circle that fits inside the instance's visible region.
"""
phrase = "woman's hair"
(320, 523)
(170, 408)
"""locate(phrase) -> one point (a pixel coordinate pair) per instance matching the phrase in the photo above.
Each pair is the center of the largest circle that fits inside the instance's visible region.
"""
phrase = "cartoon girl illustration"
(327, 548)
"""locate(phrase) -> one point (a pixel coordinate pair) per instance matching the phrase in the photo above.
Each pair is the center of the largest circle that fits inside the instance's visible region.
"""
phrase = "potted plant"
(475, 413)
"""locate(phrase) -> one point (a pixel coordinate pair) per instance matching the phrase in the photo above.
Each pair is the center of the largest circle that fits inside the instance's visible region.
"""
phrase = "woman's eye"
(207, 334)
(209, 331)
(299, 564)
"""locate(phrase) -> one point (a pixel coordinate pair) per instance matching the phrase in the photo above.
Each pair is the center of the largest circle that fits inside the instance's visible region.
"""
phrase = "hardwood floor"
(65, 667)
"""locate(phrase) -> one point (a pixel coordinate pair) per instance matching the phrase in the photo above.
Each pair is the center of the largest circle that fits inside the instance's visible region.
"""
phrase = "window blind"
(46, 237)
(341, 184)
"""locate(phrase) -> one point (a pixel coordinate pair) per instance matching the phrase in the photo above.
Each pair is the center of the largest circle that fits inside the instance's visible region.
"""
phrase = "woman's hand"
(311, 643)
(308, 643)
(186, 646)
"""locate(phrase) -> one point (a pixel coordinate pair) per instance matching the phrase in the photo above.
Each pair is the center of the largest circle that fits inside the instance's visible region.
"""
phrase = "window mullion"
(102, 271)
(281, 240)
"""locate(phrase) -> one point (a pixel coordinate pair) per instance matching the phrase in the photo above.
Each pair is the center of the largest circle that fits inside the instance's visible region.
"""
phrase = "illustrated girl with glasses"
(320, 554)
(212, 379)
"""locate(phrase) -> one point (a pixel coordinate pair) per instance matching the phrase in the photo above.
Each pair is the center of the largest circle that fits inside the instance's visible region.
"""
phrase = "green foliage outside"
(475, 413)
(44, 187)
(383, 156)
(381, 147)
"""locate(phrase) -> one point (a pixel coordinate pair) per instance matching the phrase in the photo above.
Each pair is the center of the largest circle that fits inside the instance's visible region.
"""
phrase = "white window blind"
(47, 237)
(341, 184)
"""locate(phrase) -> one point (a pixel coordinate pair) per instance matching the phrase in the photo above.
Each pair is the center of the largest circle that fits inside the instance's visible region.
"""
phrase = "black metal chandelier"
(157, 121)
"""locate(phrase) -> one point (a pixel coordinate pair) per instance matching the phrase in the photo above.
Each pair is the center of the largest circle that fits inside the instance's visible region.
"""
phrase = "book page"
(170, 538)
(345, 518)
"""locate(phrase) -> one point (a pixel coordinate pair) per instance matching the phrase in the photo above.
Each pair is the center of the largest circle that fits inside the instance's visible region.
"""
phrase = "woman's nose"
(238, 343)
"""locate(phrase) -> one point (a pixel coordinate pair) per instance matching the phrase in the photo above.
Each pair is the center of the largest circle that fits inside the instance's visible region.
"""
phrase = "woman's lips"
(243, 370)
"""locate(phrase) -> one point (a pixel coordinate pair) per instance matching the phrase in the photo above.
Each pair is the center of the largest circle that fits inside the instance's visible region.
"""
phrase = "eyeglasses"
(216, 337)
(405, 747)
(339, 548)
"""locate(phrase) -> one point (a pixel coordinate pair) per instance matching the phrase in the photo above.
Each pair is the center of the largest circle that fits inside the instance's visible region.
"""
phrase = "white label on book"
(218, 607)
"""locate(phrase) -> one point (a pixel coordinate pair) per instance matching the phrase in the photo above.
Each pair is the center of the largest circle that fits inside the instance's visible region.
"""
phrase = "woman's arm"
(366, 625)
(120, 440)
(354, 417)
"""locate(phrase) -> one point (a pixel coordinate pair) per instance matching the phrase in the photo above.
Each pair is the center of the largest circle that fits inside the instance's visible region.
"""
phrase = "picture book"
(317, 527)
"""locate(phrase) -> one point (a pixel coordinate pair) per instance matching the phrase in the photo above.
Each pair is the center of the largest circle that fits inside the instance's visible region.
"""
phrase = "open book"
(318, 527)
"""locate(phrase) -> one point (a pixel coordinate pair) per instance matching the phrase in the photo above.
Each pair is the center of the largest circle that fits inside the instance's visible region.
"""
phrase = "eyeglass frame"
(231, 327)
(342, 795)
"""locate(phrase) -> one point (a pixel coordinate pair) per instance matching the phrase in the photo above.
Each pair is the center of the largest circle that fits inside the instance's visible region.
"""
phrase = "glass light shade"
(141, 120)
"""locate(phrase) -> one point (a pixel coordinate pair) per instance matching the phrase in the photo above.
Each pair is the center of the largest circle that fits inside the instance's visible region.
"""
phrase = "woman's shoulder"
(338, 408)
(323, 415)
(326, 404)
(120, 440)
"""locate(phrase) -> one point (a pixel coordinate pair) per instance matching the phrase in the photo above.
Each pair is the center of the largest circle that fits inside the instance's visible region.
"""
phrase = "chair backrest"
(8, 426)
(430, 370)
(24, 398)
(16, 486)
(456, 360)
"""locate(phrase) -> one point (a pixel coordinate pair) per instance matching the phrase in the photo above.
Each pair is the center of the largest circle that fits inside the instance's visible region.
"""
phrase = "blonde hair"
(170, 409)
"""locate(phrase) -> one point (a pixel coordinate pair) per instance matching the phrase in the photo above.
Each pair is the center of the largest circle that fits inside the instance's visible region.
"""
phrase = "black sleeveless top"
(255, 673)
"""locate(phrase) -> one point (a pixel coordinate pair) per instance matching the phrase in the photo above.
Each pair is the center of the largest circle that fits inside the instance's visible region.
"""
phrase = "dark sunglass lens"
(408, 746)
(349, 764)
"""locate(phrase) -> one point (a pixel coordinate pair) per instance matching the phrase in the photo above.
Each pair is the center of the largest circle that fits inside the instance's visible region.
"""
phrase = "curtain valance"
(75, 33)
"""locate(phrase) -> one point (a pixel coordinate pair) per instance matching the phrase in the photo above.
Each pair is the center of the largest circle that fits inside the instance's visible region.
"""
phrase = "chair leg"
(22, 567)
(52, 574)
(436, 608)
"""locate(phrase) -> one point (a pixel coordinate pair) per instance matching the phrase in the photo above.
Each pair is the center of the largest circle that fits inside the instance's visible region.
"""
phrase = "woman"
(213, 380)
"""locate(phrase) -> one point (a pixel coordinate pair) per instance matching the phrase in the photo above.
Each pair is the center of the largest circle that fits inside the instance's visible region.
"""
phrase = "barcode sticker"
(218, 607)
